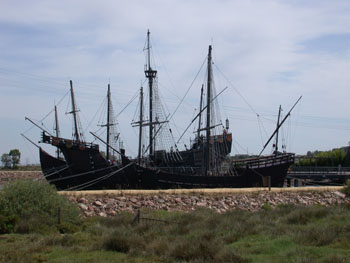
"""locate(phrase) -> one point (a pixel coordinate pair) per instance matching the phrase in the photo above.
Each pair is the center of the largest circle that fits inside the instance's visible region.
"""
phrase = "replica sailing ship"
(202, 165)
(82, 166)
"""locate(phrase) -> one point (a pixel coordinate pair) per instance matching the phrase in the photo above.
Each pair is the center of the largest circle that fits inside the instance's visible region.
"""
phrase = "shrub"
(117, 242)
(32, 206)
(187, 249)
(304, 215)
(320, 235)
(346, 188)
(228, 254)
(267, 207)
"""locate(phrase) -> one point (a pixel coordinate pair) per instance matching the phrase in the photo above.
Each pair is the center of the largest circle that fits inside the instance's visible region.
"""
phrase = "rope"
(233, 86)
(64, 168)
(200, 69)
(127, 105)
(77, 175)
(99, 108)
(31, 152)
(41, 120)
(92, 182)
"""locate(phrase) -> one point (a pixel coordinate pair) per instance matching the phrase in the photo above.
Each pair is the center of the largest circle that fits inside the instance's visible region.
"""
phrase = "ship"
(79, 164)
(205, 164)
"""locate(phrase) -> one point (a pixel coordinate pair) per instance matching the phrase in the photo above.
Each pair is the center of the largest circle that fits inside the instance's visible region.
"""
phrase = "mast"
(150, 74)
(108, 120)
(207, 164)
(279, 126)
(57, 129)
(278, 123)
(74, 112)
(200, 114)
(141, 120)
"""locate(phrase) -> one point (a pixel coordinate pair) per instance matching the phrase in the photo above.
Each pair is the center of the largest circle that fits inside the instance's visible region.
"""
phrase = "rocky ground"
(6, 176)
(109, 205)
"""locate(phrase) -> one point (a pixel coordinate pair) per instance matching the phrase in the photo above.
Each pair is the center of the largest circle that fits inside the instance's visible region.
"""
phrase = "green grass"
(31, 206)
(285, 234)
(31, 232)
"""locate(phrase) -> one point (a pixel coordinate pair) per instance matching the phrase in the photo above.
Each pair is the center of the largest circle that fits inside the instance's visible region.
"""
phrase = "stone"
(103, 214)
(83, 206)
(97, 203)
(202, 204)
(89, 213)
(111, 213)
(339, 194)
(133, 200)
(82, 200)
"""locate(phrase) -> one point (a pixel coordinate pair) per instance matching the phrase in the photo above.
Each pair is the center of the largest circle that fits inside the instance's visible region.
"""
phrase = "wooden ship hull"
(84, 168)
(275, 167)
(87, 169)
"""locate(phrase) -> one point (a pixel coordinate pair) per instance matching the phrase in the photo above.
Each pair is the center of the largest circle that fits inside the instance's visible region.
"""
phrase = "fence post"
(138, 216)
(59, 215)
(269, 182)
(296, 183)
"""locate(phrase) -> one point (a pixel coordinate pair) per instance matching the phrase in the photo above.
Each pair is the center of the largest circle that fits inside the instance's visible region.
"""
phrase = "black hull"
(74, 176)
(85, 168)
(153, 178)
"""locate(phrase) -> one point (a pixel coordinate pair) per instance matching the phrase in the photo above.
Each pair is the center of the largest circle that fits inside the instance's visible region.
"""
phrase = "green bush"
(117, 241)
(33, 206)
(346, 189)
(304, 215)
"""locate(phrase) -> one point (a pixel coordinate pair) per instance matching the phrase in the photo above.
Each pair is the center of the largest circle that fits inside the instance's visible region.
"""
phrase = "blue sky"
(271, 51)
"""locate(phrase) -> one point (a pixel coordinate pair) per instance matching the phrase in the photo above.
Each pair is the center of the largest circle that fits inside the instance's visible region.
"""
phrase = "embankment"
(7, 176)
(113, 202)
(110, 203)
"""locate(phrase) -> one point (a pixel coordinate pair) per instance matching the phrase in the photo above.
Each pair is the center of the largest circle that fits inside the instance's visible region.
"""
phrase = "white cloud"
(259, 45)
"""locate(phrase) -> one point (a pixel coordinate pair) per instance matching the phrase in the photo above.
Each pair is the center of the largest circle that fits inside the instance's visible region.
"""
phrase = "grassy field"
(39, 225)
(284, 234)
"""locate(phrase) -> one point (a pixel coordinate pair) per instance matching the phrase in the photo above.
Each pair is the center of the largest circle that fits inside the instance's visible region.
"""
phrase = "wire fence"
(138, 219)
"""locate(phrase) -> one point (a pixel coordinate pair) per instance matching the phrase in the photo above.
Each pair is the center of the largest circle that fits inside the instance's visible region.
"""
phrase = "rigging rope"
(94, 181)
(233, 86)
(127, 105)
(200, 69)
(99, 109)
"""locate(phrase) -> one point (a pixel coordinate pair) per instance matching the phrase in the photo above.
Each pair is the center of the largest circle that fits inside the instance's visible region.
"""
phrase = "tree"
(6, 160)
(15, 155)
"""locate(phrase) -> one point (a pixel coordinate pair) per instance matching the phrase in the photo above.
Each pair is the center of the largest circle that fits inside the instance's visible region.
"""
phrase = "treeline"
(333, 157)
(11, 160)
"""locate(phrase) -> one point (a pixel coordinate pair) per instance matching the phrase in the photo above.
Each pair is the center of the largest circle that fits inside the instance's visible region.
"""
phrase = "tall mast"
(150, 74)
(74, 112)
(279, 126)
(141, 120)
(57, 129)
(108, 120)
(200, 114)
(278, 123)
(207, 164)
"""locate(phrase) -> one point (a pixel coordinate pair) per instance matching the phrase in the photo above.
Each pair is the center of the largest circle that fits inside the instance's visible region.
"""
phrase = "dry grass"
(206, 191)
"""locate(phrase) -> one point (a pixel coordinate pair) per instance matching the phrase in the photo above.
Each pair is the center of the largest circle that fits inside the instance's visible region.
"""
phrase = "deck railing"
(265, 161)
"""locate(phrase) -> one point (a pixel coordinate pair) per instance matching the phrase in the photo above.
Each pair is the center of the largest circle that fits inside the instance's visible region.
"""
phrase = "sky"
(268, 53)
